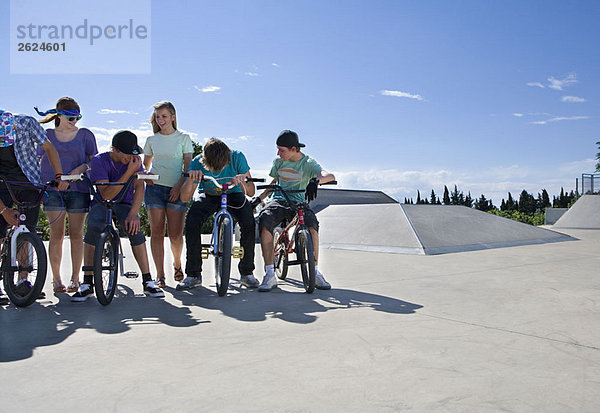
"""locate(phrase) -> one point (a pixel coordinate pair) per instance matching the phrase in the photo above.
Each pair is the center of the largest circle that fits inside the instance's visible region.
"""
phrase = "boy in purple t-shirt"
(117, 165)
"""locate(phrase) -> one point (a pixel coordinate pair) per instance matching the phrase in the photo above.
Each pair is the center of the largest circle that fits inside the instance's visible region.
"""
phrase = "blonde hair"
(64, 103)
(162, 105)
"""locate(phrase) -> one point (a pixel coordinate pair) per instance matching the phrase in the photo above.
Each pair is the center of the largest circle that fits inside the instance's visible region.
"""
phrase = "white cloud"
(275, 65)
(559, 84)
(573, 99)
(115, 112)
(207, 89)
(536, 84)
(494, 182)
(518, 115)
(252, 74)
(559, 119)
(397, 93)
(104, 136)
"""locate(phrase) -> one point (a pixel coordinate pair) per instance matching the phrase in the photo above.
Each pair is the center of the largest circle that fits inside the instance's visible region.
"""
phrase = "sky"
(399, 96)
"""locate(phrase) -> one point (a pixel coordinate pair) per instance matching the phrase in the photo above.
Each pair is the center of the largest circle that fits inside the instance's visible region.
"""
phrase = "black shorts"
(276, 212)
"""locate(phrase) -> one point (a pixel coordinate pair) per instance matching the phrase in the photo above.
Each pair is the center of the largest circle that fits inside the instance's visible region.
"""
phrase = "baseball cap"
(126, 142)
(288, 139)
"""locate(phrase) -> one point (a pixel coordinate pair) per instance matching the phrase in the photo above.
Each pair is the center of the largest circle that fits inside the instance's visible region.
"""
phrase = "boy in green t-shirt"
(291, 170)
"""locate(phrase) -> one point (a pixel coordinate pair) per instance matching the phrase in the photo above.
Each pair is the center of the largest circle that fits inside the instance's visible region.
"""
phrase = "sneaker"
(268, 283)
(23, 287)
(189, 282)
(249, 281)
(83, 293)
(321, 283)
(152, 290)
(3, 298)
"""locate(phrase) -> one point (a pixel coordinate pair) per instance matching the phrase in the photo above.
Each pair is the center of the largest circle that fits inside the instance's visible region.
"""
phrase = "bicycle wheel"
(280, 256)
(306, 258)
(223, 255)
(106, 267)
(24, 283)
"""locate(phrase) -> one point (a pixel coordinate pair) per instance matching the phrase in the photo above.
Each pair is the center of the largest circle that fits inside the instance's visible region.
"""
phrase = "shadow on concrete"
(25, 329)
(292, 306)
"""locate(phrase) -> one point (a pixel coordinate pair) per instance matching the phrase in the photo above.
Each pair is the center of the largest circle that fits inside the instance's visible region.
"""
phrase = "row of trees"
(527, 203)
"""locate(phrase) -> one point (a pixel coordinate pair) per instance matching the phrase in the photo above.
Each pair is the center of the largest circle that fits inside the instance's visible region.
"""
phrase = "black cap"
(288, 139)
(126, 142)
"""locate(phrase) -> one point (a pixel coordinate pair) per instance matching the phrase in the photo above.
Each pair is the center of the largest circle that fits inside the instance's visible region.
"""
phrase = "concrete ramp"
(584, 214)
(424, 229)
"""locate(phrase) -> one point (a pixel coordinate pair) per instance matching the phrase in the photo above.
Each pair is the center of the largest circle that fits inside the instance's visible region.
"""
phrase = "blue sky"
(400, 96)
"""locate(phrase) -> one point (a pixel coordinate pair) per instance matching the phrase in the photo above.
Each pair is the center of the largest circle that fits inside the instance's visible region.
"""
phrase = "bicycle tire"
(223, 255)
(280, 262)
(306, 257)
(34, 262)
(106, 267)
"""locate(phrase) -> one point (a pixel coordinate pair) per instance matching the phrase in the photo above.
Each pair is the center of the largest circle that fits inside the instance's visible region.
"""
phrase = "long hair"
(65, 103)
(162, 105)
(215, 155)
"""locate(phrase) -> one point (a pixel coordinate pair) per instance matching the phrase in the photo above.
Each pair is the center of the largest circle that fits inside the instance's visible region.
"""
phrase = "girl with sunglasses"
(75, 146)
(167, 153)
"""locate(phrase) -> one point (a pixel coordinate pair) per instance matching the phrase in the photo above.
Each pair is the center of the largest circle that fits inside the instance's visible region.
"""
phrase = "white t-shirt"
(167, 152)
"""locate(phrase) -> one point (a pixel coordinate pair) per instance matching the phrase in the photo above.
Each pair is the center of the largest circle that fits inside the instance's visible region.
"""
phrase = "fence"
(590, 183)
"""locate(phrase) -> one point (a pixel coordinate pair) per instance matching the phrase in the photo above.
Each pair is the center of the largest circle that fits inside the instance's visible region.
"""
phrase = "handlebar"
(284, 192)
(97, 195)
(218, 185)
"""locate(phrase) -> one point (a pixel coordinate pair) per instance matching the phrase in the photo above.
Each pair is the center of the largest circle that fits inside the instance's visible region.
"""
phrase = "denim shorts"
(72, 201)
(157, 196)
(276, 212)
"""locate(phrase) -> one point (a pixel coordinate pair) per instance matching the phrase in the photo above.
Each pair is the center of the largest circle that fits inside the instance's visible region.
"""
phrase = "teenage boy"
(19, 137)
(226, 166)
(117, 165)
(292, 170)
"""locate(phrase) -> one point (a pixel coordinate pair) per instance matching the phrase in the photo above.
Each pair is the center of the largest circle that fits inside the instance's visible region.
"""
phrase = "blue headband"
(66, 112)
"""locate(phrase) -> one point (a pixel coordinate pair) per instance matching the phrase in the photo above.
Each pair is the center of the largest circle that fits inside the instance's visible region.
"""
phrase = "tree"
(197, 149)
(418, 197)
(544, 200)
(598, 157)
(468, 201)
(446, 196)
(527, 203)
(483, 204)
(432, 198)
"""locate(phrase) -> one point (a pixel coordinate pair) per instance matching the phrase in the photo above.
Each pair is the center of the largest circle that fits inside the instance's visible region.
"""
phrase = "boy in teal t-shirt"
(291, 170)
(226, 166)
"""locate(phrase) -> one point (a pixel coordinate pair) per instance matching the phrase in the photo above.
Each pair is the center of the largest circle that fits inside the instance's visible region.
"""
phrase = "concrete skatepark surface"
(497, 330)
(584, 214)
(424, 229)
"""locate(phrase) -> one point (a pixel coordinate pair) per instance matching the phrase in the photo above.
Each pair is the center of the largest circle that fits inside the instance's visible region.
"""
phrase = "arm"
(147, 166)
(55, 162)
(9, 215)
(176, 190)
(325, 176)
(132, 222)
(109, 192)
(190, 185)
(248, 187)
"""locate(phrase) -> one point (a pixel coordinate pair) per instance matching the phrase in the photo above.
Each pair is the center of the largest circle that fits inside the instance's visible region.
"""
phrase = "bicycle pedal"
(204, 253)
(238, 252)
(131, 274)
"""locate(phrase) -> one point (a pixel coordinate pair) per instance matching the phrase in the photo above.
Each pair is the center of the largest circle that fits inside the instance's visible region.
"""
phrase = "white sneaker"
(249, 281)
(188, 283)
(268, 283)
(321, 283)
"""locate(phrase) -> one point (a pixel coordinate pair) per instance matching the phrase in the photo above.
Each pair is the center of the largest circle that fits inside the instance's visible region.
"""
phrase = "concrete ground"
(500, 330)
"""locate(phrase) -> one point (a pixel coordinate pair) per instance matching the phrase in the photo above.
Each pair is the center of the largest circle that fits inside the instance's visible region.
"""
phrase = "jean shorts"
(157, 196)
(72, 201)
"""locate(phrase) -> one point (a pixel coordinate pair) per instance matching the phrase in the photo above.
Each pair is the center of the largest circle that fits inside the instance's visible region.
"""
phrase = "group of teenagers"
(28, 153)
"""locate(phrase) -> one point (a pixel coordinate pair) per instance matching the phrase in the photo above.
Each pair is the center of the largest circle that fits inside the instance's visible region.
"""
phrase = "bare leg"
(141, 256)
(157, 239)
(76, 221)
(315, 237)
(88, 257)
(266, 245)
(55, 246)
(175, 231)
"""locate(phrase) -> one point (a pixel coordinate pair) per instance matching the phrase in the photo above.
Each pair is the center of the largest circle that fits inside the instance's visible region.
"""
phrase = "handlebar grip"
(152, 177)
(255, 179)
(328, 183)
(71, 177)
(263, 186)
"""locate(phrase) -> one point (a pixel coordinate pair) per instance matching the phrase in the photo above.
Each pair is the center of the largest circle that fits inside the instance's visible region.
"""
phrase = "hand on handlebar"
(311, 189)
(195, 175)
(238, 180)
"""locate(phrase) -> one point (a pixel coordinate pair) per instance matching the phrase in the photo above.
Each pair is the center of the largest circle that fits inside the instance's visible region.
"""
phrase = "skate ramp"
(424, 229)
(584, 214)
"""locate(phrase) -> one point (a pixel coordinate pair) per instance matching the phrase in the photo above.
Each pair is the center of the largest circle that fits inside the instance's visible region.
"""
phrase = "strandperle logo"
(91, 32)
(95, 37)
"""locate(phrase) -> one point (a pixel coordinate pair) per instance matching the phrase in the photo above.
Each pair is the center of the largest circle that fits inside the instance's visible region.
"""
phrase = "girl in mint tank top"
(167, 153)
(75, 147)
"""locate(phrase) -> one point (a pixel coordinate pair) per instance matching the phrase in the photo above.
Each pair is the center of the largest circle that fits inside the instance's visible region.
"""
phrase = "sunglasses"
(72, 118)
